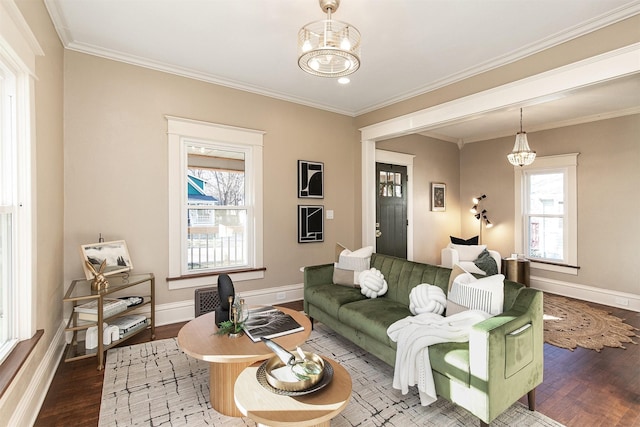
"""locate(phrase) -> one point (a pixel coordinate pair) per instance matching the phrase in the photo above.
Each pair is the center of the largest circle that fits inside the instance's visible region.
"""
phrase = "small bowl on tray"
(327, 376)
(282, 377)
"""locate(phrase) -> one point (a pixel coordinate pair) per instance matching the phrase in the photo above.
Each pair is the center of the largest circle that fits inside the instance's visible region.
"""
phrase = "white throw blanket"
(414, 335)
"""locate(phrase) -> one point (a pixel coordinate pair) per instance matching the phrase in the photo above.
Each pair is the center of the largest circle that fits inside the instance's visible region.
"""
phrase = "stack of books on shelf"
(110, 307)
(130, 323)
(269, 322)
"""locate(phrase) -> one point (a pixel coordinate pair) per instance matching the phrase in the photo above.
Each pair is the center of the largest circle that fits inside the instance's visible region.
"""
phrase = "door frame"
(400, 159)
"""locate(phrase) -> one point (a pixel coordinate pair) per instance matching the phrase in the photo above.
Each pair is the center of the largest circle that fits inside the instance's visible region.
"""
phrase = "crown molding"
(568, 34)
(195, 75)
(610, 18)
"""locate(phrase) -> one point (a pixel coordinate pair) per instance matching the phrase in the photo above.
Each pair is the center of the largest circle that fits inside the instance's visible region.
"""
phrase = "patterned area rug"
(155, 384)
(570, 323)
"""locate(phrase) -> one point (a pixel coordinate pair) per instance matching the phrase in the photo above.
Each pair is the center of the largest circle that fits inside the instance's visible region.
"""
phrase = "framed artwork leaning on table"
(115, 253)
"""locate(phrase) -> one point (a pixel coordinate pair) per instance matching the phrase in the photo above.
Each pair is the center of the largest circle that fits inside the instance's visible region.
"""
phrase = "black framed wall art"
(310, 223)
(438, 197)
(310, 179)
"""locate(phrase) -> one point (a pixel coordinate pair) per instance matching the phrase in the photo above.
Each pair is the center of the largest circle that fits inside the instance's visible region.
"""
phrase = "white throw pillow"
(345, 277)
(372, 283)
(350, 264)
(469, 293)
(357, 260)
(468, 252)
(426, 298)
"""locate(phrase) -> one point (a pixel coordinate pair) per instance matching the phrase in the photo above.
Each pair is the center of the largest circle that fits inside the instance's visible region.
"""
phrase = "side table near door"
(516, 269)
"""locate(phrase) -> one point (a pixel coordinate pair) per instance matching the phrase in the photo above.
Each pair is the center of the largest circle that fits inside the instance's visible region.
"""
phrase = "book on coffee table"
(269, 322)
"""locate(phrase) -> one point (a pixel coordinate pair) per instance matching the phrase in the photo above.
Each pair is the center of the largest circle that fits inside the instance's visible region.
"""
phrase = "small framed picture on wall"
(310, 223)
(438, 197)
(310, 179)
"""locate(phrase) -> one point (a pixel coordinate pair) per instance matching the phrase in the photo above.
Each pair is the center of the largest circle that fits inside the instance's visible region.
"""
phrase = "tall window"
(215, 196)
(18, 51)
(8, 208)
(16, 266)
(217, 216)
(545, 215)
(546, 222)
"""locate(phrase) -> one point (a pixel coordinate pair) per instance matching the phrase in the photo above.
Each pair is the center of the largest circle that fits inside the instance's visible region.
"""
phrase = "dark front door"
(391, 210)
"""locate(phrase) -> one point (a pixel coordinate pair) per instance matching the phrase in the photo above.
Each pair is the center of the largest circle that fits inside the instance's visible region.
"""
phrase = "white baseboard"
(608, 297)
(27, 410)
(183, 311)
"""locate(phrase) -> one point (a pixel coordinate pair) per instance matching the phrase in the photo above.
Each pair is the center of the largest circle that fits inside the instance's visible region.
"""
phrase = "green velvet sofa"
(502, 361)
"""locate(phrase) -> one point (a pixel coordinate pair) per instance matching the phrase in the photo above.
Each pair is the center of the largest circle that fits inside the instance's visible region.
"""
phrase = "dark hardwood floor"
(580, 388)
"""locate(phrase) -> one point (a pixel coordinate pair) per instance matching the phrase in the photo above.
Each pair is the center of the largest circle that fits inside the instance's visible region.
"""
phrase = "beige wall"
(49, 197)
(116, 166)
(434, 161)
(608, 204)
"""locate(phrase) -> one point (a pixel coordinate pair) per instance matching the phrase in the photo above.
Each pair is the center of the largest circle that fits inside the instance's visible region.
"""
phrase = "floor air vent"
(206, 300)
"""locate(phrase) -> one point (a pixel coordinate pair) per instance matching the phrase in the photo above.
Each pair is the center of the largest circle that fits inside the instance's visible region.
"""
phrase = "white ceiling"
(409, 47)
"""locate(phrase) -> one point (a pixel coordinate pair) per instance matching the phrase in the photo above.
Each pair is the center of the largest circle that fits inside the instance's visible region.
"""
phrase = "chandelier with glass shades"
(521, 155)
(329, 48)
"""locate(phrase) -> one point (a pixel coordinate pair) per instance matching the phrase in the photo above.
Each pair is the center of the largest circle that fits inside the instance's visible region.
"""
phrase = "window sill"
(12, 364)
(209, 279)
(558, 268)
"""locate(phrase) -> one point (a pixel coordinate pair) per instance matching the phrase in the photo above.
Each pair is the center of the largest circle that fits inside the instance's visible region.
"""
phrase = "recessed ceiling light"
(344, 80)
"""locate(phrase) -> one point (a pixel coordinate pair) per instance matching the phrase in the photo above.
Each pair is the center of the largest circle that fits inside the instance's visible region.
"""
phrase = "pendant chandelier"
(521, 155)
(329, 48)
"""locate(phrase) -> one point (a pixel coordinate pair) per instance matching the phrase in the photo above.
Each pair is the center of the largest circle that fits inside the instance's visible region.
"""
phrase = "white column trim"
(369, 193)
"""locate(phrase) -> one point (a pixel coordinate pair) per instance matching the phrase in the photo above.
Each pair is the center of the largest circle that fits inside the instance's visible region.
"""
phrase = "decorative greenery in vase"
(228, 327)
(237, 316)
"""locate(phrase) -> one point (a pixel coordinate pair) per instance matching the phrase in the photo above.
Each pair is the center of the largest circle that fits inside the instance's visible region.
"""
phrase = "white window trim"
(568, 162)
(18, 50)
(180, 129)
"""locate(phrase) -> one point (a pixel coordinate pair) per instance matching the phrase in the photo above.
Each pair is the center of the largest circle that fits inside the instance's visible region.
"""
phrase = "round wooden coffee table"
(314, 409)
(228, 357)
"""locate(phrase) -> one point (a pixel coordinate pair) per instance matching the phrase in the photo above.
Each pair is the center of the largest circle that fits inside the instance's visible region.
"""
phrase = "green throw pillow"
(486, 263)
